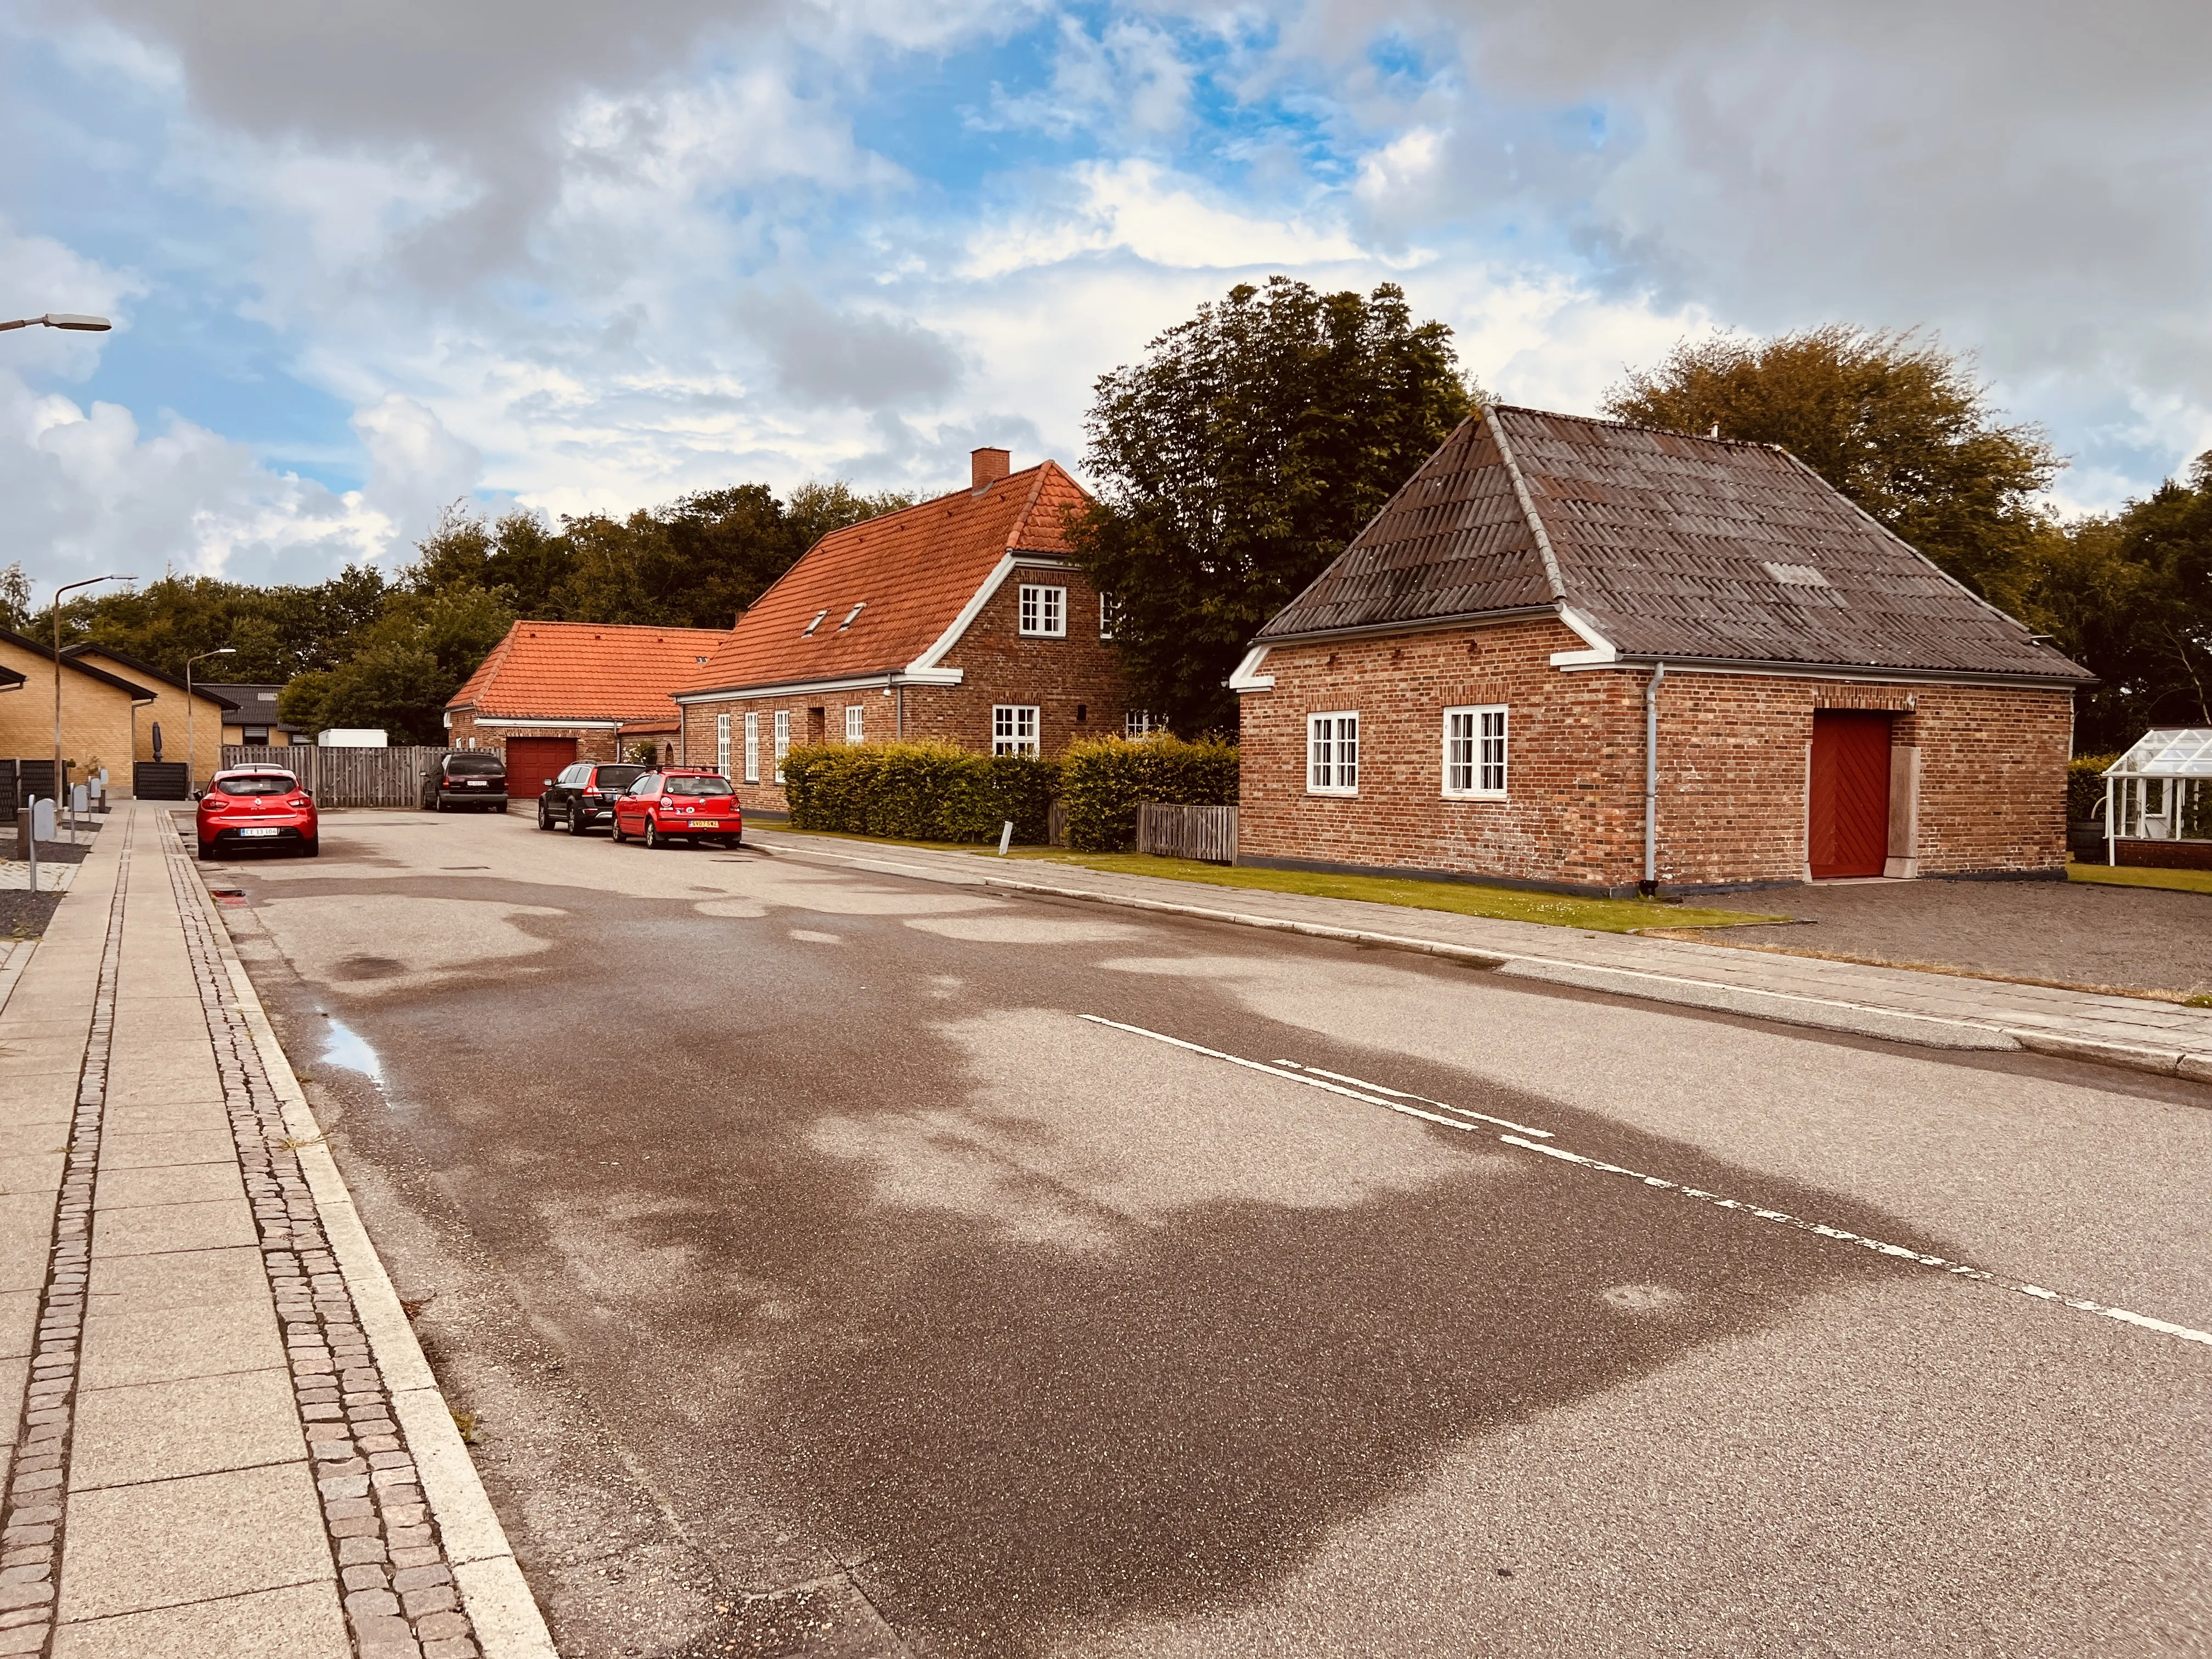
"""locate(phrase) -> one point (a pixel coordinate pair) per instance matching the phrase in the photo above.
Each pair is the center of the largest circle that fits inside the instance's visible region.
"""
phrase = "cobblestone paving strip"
(31, 1518)
(400, 1598)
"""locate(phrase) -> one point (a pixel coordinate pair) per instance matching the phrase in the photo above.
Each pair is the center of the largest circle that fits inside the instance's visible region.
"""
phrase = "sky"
(365, 260)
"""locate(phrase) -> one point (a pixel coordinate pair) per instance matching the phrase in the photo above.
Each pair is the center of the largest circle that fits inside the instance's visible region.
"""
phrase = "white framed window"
(1333, 753)
(782, 740)
(1109, 616)
(856, 721)
(1474, 752)
(1137, 723)
(752, 748)
(1013, 729)
(722, 745)
(1044, 612)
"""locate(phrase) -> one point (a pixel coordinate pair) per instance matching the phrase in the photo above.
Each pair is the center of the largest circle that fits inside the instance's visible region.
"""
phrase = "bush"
(2085, 785)
(921, 791)
(1102, 781)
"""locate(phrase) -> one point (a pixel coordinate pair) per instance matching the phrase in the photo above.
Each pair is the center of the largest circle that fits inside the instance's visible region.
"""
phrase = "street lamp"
(88, 581)
(190, 754)
(68, 319)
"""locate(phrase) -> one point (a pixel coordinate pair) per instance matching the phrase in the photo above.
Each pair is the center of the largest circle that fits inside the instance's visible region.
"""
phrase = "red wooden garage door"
(1849, 818)
(530, 761)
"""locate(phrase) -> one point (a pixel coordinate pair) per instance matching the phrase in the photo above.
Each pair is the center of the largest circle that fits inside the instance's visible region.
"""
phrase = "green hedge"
(2085, 784)
(918, 791)
(1101, 780)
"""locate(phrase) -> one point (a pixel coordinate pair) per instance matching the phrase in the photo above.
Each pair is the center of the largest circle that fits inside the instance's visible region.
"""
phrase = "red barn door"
(1850, 816)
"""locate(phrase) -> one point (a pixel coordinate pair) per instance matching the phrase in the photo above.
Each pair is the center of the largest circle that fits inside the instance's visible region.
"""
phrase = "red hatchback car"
(256, 806)
(696, 805)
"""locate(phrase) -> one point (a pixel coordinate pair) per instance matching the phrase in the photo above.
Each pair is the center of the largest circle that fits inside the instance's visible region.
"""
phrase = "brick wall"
(97, 722)
(1075, 684)
(1734, 755)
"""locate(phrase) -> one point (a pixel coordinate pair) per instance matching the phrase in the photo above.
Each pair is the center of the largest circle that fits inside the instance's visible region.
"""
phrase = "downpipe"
(1648, 887)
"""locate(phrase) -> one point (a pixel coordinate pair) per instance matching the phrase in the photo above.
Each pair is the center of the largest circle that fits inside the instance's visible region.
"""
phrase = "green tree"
(1238, 458)
(406, 668)
(519, 558)
(14, 598)
(1895, 422)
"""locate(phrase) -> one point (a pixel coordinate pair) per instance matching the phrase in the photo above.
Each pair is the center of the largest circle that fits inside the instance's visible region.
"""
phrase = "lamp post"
(88, 582)
(68, 319)
(192, 755)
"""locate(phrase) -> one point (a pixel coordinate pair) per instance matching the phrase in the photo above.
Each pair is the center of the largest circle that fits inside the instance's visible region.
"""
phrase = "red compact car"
(677, 802)
(256, 806)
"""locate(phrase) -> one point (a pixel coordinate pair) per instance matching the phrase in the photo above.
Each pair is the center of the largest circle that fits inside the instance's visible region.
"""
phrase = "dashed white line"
(1843, 1235)
(1276, 1072)
(1400, 1094)
(1376, 1094)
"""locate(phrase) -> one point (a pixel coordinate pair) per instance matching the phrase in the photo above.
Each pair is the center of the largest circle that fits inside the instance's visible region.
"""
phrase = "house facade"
(960, 618)
(252, 721)
(201, 730)
(552, 694)
(101, 713)
(1579, 654)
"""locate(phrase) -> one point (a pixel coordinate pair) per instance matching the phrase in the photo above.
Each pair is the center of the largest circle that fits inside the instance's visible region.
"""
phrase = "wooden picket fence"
(1207, 834)
(346, 777)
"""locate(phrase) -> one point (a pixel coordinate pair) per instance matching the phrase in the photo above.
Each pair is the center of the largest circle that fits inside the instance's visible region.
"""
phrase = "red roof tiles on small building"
(551, 670)
(882, 596)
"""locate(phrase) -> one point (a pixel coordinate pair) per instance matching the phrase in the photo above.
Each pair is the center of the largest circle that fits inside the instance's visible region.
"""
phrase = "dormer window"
(807, 633)
(850, 615)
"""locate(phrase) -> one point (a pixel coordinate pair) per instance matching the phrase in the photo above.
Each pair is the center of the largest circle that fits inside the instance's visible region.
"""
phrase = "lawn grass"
(1597, 915)
(2130, 875)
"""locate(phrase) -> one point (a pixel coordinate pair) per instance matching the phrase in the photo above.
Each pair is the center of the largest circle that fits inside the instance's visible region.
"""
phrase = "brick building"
(959, 619)
(103, 713)
(552, 693)
(201, 730)
(1577, 654)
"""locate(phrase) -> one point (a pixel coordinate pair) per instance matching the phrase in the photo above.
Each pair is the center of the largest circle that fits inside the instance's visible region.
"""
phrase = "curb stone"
(506, 1620)
(1898, 1026)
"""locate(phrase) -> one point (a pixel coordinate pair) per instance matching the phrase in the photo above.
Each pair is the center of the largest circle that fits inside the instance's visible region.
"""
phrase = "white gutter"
(1650, 884)
(796, 687)
(1601, 652)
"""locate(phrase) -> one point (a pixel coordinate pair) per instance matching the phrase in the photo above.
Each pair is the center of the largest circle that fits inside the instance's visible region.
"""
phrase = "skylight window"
(850, 615)
(807, 633)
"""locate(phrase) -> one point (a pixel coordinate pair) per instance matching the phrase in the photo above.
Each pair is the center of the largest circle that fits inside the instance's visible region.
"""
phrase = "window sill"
(1474, 794)
(1334, 794)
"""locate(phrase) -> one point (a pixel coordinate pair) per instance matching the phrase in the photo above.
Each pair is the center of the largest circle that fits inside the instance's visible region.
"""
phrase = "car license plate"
(258, 832)
(475, 783)
(705, 824)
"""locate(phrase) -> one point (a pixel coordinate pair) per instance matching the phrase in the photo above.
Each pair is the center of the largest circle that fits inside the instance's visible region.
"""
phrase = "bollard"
(1005, 837)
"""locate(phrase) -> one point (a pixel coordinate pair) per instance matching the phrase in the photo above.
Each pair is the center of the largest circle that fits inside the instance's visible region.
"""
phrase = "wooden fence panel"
(346, 777)
(1207, 834)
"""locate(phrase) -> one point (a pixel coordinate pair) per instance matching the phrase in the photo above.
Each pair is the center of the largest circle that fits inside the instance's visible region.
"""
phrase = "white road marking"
(1373, 1094)
(1274, 1072)
(1400, 1094)
(1957, 1269)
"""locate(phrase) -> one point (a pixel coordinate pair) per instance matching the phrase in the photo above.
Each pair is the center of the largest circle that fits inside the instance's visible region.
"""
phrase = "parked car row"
(264, 806)
(657, 806)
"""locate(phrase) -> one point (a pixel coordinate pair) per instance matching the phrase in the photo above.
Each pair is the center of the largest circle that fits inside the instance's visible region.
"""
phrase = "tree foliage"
(1895, 422)
(1240, 456)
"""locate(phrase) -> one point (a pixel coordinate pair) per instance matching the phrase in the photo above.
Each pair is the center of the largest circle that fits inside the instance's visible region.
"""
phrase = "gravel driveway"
(2134, 939)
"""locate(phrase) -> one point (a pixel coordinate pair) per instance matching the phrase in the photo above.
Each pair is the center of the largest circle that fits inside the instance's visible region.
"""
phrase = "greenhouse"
(2158, 799)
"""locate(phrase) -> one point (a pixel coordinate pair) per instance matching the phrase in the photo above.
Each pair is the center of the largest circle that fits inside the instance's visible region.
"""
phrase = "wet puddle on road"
(344, 1046)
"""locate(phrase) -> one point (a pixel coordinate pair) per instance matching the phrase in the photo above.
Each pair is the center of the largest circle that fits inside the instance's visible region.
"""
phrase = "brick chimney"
(989, 465)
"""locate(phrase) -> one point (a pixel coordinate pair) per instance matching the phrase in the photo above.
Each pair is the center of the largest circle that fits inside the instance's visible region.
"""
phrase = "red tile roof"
(912, 572)
(585, 672)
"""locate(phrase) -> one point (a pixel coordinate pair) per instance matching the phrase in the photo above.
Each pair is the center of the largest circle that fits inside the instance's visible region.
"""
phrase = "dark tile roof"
(1695, 548)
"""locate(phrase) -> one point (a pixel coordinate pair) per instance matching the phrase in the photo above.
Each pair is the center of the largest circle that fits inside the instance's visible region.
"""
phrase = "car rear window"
(474, 766)
(699, 786)
(256, 786)
(619, 777)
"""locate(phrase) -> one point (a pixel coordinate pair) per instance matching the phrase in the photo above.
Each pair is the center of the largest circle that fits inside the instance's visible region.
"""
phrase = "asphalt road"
(823, 1281)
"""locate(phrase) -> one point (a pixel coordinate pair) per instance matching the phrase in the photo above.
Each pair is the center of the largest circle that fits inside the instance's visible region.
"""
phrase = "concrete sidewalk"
(227, 1440)
(1901, 1005)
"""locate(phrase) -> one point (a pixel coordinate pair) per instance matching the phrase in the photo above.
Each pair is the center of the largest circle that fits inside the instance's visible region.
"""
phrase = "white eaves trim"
(851, 683)
(1005, 567)
(1600, 650)
(565, 725)
(1247, 676)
